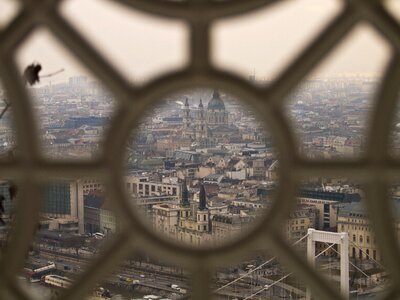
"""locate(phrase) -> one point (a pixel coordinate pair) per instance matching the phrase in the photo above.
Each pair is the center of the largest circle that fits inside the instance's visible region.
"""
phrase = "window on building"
(326, 208)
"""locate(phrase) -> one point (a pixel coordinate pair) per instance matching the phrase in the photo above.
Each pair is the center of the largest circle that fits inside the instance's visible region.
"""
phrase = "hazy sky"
(141, 46)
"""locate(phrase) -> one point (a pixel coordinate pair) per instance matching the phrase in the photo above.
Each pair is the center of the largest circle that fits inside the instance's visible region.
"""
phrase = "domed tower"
(216, 114)
(201, 128)
(202, 217)
(186, 120)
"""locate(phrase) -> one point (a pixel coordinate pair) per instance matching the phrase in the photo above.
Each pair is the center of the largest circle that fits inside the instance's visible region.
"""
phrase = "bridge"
(329, 239)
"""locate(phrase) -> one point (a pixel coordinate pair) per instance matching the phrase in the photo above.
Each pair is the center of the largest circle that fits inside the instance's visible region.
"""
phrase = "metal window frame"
(376, 169)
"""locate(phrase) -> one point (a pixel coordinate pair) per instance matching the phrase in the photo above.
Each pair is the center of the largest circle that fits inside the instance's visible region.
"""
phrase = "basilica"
(207, 125)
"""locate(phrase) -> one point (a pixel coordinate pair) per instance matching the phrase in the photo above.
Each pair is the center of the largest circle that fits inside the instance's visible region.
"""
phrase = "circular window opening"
(201, 168)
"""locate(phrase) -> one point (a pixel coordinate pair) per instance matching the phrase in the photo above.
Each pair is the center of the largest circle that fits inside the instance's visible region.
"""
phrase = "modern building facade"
(327, 204)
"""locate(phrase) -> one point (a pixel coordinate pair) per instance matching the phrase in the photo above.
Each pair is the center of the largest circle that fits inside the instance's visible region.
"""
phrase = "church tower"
(186, 120)
(201, 127)
(203, 216)
(185, 204)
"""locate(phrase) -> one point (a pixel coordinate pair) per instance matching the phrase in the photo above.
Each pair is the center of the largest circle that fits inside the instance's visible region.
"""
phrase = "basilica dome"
(216, 102)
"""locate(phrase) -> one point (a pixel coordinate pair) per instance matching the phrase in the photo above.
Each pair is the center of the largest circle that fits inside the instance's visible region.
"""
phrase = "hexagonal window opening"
(331, 107)
(265, 51)
(145, 48)
(72, 108)
(201, 168)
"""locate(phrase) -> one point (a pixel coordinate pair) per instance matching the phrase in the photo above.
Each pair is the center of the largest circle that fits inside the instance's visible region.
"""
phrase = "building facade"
(327, 204)
(354, 220)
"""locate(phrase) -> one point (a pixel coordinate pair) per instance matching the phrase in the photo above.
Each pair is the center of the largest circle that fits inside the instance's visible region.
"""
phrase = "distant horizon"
(149, 46)
(90, 79)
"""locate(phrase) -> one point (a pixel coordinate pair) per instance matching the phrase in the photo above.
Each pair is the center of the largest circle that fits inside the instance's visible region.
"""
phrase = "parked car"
(175, 287)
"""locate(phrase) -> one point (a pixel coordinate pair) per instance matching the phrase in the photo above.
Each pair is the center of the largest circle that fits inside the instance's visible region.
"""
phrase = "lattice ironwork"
(29, 169)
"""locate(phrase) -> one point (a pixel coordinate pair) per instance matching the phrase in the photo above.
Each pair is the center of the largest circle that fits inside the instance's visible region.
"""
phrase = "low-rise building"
(354, 220)
(228, 226)
(303, 217)
(165, 219)
(108, 220)
(327, 204)
(143, 187)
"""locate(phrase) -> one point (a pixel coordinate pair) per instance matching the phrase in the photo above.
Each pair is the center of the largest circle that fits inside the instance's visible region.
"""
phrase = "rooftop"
(216, 102)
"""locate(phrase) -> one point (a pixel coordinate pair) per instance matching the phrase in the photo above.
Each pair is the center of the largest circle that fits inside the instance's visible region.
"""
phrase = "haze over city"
(201, 169)
(148, 45)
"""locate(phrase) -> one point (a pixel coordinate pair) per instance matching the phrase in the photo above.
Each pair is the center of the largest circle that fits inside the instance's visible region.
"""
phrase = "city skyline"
(195, 182)
(199, 169)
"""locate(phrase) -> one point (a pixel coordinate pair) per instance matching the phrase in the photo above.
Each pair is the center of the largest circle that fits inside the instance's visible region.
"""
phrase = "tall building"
(65, 200)
(60, 200)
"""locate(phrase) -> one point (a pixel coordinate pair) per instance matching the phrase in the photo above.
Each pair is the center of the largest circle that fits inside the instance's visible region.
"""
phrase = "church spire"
(202, 200)
(185, 195)
(201, 103)
(186, 102)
